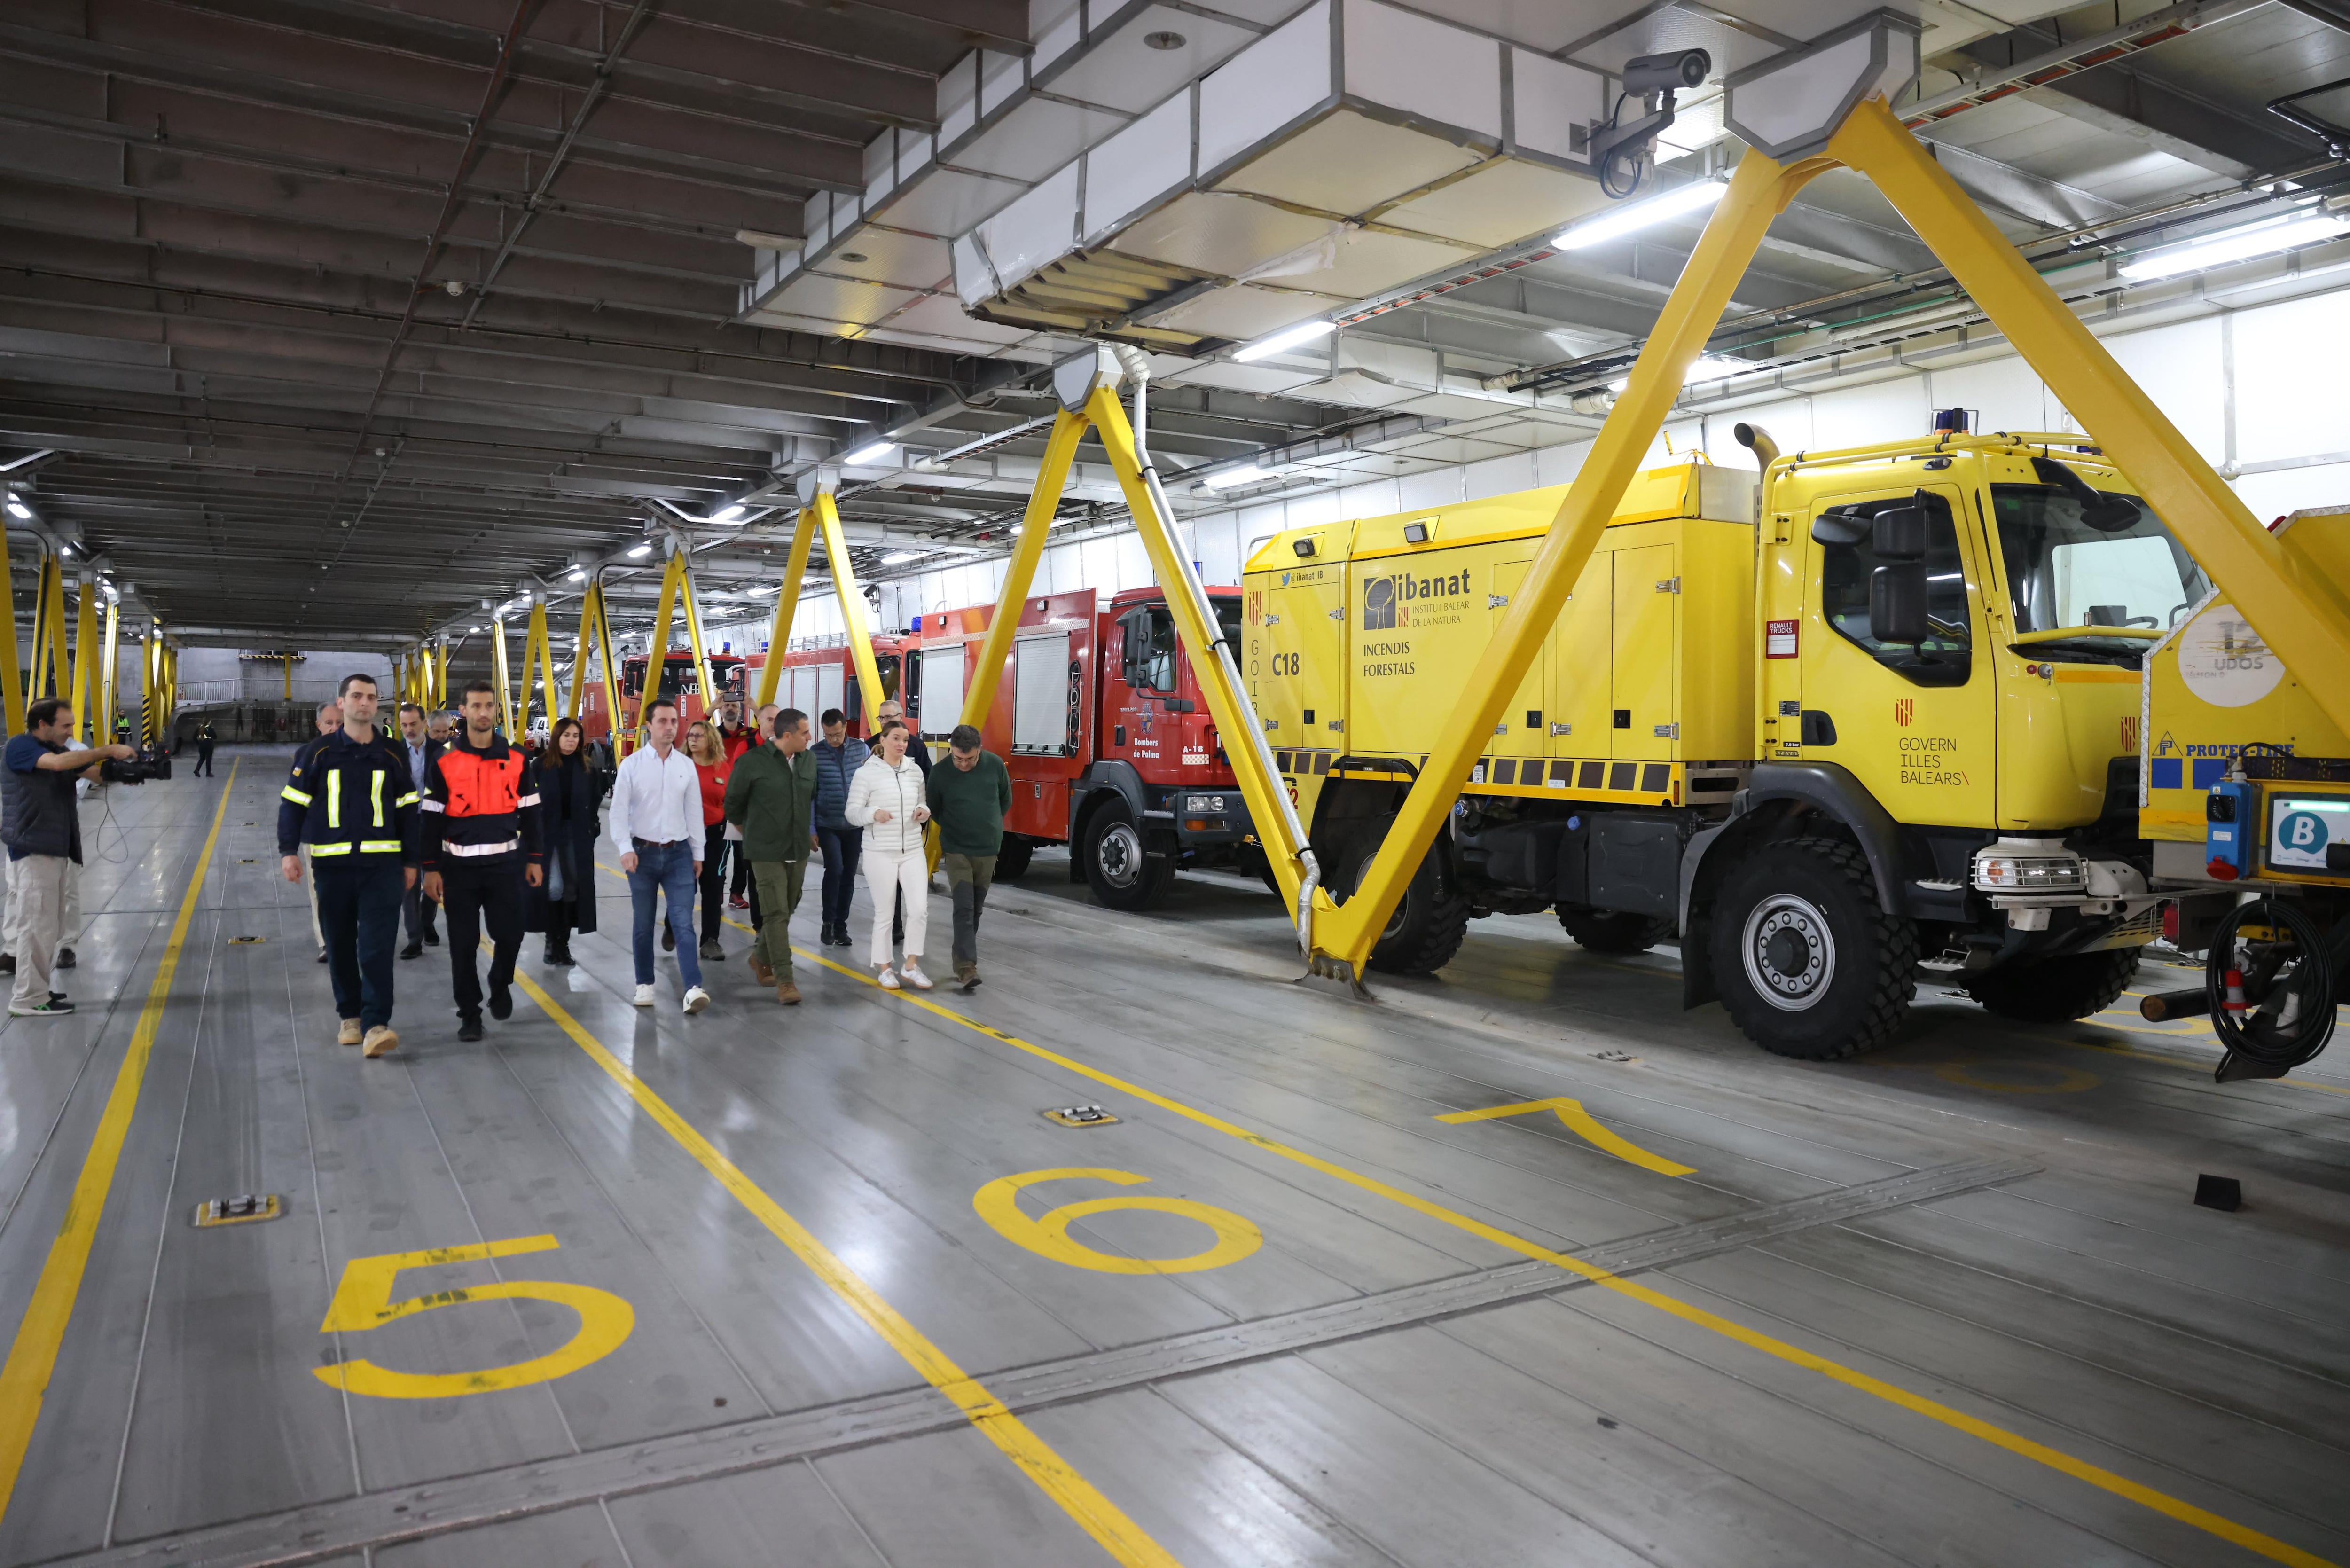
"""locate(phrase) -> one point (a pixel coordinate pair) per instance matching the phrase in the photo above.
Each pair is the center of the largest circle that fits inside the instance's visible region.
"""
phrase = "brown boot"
(762, 970)
(380, 1039)
(349, 1032)
(788, 994)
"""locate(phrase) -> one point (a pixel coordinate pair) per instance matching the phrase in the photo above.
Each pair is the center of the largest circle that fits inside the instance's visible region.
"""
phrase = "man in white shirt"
(656, 823)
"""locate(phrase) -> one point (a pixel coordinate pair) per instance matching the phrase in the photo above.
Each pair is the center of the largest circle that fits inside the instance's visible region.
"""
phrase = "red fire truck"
(816, 679)
(679, 680)
(1111, 747)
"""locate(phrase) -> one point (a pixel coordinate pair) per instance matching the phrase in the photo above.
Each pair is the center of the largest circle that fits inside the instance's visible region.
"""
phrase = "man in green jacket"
(772, 798)
(968, 798)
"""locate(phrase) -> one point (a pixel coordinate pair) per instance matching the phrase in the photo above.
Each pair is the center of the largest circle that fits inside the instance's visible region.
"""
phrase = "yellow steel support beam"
(657, 654)
(1236, 723)
(285, 666)
(501, 675)
(12, 678)
(48, 672)
(1035, 528)
(82, 684)
(2304, 618)
(596, 637)
(1344, 934)
(852, 606)
(109, 673)
(538, 657)
(787, 606)
(703, 683)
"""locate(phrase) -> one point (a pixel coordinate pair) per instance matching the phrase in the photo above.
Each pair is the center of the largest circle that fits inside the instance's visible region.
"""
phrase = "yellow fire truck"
(1873, 718)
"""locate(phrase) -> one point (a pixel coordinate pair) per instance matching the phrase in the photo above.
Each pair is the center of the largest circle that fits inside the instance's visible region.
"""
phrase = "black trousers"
(740, 882)
(713, 879)
(842, 847)
(203, 757)
(359, 910)
(560, 925)
(475, 894)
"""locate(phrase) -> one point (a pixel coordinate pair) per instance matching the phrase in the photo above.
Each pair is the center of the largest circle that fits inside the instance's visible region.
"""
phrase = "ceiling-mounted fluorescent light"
(1629, 220)
(727, 515)
(641, 551)
(899, 557)
(64, 549)
(1233, 476)
(1705, 368)
(2264, 238)
(866, 456)
(579, 573)
(1287, 337)
(20, 511)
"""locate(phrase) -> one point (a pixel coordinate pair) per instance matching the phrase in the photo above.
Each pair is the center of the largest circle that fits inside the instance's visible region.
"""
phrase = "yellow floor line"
(1932, 1410)
(24, 1379)
(1123, 1539)
(1582, 1125)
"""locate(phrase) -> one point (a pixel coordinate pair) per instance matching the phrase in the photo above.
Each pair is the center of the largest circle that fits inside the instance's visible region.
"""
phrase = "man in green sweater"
(771, 797)
(968, 799)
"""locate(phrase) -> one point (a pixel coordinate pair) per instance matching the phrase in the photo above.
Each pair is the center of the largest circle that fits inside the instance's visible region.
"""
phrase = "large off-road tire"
(2058, 990)
(1118, 868)
(1808, 962)
(1430, 920)
(1613, 930)
(1011, 857)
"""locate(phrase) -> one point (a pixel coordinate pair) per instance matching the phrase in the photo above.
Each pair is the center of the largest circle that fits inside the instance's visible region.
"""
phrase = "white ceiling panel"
(1348, 163)
(1505, 202)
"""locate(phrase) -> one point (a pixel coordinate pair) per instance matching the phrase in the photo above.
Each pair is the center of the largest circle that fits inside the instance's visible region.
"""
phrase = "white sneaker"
(696, 1000)
(644, 996)
(889, 979)
(912, 974)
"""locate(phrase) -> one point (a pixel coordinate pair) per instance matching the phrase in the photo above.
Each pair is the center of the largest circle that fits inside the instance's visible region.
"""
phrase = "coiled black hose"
(2293, 965)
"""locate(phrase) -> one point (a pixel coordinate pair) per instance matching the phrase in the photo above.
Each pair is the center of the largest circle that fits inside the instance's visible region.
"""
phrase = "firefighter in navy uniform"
(350, 802)
(481, 845)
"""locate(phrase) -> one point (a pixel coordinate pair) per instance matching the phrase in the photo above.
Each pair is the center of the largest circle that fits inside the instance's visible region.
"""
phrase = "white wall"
(2254, 388)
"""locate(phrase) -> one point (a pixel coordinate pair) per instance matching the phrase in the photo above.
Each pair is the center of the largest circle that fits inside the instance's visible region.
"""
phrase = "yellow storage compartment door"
(1521, 731)
(1304, 637)
(1583, 695)
(1645, 592)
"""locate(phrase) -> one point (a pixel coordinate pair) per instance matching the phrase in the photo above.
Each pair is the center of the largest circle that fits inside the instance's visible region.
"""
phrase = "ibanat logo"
(1388, 601)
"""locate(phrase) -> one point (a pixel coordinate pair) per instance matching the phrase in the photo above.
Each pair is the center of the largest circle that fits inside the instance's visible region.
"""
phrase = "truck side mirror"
(1899, 534)
(1133, 646)
(1897, 601)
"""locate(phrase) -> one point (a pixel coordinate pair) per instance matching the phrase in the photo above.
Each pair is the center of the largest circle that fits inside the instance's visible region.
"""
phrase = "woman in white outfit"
(885, 799)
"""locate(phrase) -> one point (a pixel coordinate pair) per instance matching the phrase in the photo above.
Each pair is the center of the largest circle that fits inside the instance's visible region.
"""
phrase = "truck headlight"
(2028, 866)
(1203, 803)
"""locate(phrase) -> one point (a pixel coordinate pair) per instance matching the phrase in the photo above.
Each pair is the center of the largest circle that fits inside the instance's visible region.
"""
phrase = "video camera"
(149, 764)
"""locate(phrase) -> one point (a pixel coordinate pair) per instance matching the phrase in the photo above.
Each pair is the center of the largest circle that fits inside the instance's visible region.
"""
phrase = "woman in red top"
(715, 767)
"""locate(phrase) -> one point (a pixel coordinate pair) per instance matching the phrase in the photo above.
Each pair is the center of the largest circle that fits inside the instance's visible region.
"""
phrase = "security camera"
(1676, 71)
(1624, 152)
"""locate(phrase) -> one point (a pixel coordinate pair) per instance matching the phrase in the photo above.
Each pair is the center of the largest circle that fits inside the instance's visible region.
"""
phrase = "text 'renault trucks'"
(1100, 719)
(2246, 786)
(1830, 727)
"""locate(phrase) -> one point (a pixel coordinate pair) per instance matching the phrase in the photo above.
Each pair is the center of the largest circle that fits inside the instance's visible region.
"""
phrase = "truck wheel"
(2058, 990)
(1613, 931)
(1428, 923)
(1807, 961)
(1011, 857)
(1121, 875)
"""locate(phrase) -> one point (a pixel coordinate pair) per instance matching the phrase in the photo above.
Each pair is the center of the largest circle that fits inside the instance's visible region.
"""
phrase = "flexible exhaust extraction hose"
(1136, 366)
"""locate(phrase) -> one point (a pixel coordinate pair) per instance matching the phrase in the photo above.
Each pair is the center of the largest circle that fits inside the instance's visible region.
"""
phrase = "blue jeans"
(358, 906)
(664, 869)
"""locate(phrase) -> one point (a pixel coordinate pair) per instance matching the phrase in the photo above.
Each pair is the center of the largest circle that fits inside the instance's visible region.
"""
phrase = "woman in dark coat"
(570, 793)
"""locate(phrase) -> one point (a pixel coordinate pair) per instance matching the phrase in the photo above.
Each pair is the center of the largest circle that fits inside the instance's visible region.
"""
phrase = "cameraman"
(41, 826)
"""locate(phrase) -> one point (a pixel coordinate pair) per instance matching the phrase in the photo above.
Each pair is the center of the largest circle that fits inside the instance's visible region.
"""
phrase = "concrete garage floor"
(776, 1302)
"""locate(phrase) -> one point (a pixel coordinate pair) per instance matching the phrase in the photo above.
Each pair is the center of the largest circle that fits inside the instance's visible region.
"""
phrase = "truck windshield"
(2067, 577)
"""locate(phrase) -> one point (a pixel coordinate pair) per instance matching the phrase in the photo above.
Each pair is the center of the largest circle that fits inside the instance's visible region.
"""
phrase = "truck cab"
(1947, 715)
